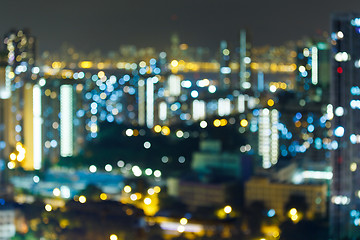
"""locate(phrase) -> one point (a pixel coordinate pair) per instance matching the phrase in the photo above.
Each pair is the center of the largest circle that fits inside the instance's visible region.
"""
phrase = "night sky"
(107, 24)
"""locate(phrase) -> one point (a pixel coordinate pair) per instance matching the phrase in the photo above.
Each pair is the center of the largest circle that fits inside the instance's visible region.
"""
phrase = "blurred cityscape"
(185, 143)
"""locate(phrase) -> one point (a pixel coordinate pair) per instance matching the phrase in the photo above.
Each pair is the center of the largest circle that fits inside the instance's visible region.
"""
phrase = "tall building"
(225, 70)
(23, 130)
(345, 110)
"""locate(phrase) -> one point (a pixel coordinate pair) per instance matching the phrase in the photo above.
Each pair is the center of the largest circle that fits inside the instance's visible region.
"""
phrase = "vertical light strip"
(162, 111)
(242, 57)
(66, 121)
(274, 136)
(174, 85)
(141, 99)
(149, 103)
(314, 67)
(199, 110)
(241, 103)
(264, 137)
(37, 130)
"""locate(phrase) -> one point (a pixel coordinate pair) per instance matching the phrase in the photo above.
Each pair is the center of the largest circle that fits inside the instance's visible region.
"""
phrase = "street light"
(227, 209)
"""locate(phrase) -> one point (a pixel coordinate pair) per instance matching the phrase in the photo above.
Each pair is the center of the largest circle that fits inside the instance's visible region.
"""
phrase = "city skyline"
(200, 23)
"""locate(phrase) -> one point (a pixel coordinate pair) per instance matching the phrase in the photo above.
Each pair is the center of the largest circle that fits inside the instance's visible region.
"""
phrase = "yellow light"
(101, 74)
(227, 209)
(181, 229)
(127, 189)
(157, 189)
(174, 63)
(157, 128)
(244, 122)
(183, 221)
(297, 124)
(48, 207)
(19, 146)
(56, 65)
(12, 156)
(11, 165)
(82, 199)
(293, 211)
(353, 167)
(56, 192)
(165, 130)
(21, 156)
(103, 196)
(223, 122)
(294, 217)
(85, 64)
(217, 123)
(113, 237)
(147, 201)
(276, 234)
(270, 102)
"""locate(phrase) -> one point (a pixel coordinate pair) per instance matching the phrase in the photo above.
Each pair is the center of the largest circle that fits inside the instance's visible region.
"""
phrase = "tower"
(345, 115)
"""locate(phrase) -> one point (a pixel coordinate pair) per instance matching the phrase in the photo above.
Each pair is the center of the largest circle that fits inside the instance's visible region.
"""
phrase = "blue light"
(126, 78)
(88, 95)
(355, 90)
(256, 112)
(110, 118)
(271, 213)
(194, 94)
(311, 128)
(304, 74)
(310, 119)
(94, 78)
(298, 115)
(354, 213)
(152, 61)
(339, 131)
(289, 135)
(157, 71)
(142, 71)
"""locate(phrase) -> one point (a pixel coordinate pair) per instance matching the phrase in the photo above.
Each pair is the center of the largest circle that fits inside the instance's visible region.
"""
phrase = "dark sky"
(107, 24)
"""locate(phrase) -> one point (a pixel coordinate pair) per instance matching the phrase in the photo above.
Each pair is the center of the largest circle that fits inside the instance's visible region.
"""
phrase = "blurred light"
(127, 189)
(108, 168)
(271, 213)
(133, 197)
(120, 163)
(113, 237)
(212, 89)
(227, 209)
(36, 179)
(244, 123)
(148, 171)
(93, 168)
(183, 221)
(147, 145)
(157, 173)
(194, 94)
(157, 128)
(82, 199)
(136, 171)
(103, 196)
(48, 207)
(339, 131)
(203, 124)
(11, 165)
(56, 192)
(147, 201)
(174, 63)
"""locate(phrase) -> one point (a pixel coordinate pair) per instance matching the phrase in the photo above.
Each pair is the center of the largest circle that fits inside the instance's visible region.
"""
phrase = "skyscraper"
(345, 111)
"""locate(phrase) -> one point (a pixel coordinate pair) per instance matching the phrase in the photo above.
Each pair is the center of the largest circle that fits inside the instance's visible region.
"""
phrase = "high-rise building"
(345, 110)
(23, 130)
